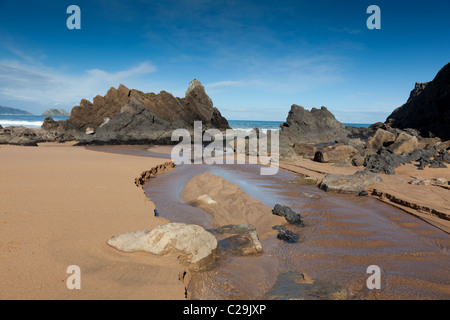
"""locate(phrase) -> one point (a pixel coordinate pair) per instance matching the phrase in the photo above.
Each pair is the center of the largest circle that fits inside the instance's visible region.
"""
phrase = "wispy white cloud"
(36, 83)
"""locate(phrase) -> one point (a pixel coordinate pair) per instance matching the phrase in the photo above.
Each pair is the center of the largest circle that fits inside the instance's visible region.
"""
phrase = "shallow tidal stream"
(342, 237)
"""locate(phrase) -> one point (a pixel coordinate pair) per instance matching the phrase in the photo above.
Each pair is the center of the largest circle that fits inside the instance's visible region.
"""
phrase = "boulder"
(349, 184)
(198, 245)
(287, 153)
(335, 154)
(380, 139)
(443, 145)
(427, 109)
(285, 235)
(425, 143)
(358, 159)
(288, 214)
(404, 143)
(244, 240)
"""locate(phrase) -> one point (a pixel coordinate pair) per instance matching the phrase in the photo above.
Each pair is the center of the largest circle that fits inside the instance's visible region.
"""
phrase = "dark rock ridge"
(285, 235)
(24, 136)
(427, 109)
(125, 116)
(317, 125)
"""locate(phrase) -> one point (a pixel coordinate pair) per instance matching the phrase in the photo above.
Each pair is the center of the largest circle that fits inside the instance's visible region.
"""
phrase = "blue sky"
(255, 58)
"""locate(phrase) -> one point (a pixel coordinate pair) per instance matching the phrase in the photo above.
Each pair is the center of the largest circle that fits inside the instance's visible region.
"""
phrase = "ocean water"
(247, 125)
(31, 121)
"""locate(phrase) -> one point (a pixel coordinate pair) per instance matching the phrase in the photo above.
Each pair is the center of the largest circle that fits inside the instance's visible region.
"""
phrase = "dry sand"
(59, 205)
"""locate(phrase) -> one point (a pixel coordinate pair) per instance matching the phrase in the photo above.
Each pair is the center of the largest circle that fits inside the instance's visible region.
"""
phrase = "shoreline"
(38, 242)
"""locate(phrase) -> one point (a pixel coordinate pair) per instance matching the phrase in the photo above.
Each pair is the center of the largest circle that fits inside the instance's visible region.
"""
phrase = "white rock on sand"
(172, 237)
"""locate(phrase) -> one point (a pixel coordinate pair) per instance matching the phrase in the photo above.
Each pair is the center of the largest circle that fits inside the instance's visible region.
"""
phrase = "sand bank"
(59, 205)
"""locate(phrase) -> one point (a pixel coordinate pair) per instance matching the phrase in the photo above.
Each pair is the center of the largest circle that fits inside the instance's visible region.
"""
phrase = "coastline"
(77, 199)
(60, 204)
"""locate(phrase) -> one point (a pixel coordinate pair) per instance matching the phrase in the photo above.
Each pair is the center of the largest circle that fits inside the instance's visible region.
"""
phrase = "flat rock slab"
(244, 240)
(349, 184)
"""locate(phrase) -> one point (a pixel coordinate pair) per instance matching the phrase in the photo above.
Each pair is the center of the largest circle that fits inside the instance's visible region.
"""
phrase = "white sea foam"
(23, 123)
(247, 130)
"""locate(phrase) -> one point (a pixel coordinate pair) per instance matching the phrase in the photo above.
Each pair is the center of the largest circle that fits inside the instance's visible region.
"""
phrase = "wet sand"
(430, 203)
(343, 236)
(58, 206)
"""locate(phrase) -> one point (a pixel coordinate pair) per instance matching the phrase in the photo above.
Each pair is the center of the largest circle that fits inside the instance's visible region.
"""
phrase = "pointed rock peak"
(123, 90)
(193, 85)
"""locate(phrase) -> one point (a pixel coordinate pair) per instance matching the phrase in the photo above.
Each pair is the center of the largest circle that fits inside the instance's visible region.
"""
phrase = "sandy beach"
(58, 206)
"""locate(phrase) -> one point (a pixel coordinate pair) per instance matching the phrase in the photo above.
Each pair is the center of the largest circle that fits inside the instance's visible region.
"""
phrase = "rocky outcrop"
(428, 108)
(125, 116)
(349, 184)
(385, 161)
(197, 245)
(404, 143)
(317, 126)
(380, 139)
(335, 154)
(288, 214)
(24, 136)
(285, 235)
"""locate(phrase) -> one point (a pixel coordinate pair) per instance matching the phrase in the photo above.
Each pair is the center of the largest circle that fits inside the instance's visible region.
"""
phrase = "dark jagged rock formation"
(288, 214)
(427, 109)
(385, 161)
(24, 136)
(125, 116)
(317, 126)
(285, 235)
